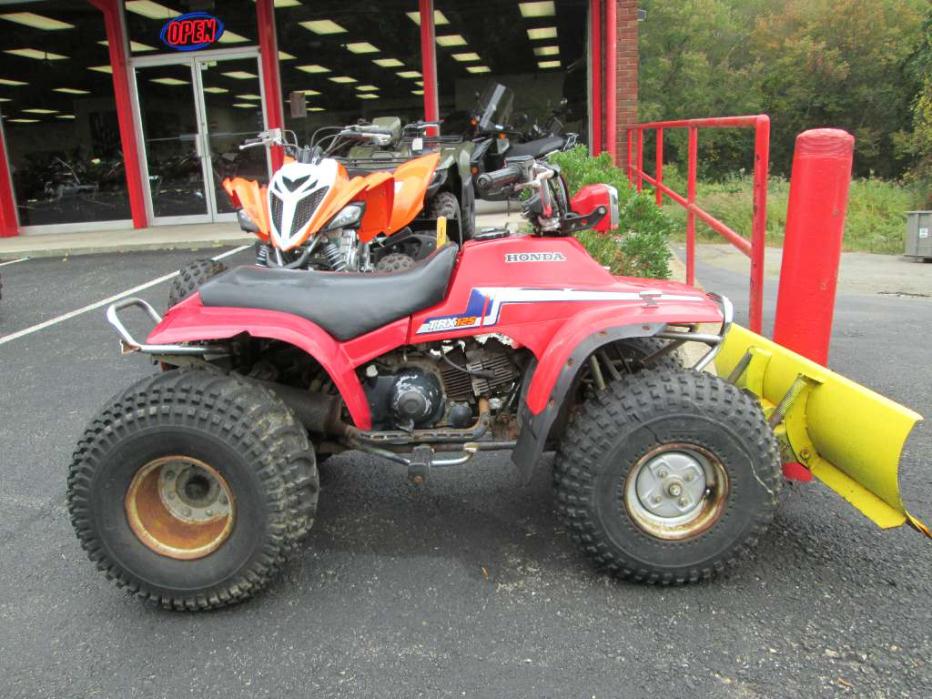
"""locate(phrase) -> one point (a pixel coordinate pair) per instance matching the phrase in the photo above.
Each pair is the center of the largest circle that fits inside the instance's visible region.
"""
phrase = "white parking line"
(105, 302)
(13, 262)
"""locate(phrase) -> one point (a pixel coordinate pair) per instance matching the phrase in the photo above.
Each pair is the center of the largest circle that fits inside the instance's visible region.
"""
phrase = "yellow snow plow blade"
(849, 437)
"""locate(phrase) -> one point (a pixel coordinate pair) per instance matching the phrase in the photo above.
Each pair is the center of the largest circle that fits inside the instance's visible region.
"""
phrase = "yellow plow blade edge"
(849, 437)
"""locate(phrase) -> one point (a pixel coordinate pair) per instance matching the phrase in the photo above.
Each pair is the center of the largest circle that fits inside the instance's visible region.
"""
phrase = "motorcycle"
(191, 487)
(317, 214)
(496, 140)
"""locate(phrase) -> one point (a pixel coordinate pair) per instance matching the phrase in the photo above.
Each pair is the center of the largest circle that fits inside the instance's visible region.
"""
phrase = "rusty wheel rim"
(676, 491)
(180, 507)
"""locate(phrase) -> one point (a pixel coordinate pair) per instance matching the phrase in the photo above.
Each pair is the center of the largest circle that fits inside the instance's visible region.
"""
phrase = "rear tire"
(394, 262)
(446, 204)
(667, 477)
(130, 492)
(190, 277)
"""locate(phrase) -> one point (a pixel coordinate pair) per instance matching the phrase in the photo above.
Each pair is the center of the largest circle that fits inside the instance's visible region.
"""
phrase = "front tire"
(190, 277)
(667, 477)
(191, 487)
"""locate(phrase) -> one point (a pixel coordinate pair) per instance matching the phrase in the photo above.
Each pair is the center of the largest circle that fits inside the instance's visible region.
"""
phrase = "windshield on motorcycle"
(495, 105)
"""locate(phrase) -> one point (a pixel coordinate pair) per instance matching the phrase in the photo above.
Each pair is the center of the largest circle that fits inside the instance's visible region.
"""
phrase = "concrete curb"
(123, 248)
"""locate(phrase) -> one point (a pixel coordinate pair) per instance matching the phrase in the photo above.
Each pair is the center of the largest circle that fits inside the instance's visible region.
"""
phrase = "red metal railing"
(753, 248)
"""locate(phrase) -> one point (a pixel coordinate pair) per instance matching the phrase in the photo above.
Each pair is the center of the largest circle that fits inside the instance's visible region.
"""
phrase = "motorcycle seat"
(345, 304)
(537, 148)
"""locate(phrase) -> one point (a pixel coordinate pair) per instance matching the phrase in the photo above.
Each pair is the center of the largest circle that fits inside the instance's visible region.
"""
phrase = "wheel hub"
(180, 507)
(676, 491)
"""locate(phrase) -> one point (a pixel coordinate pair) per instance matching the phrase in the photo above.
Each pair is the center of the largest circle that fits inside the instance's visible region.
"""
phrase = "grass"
(876, 220)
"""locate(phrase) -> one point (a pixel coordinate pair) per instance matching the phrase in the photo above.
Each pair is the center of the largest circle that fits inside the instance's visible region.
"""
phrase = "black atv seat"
(345, 304)
(537, 148)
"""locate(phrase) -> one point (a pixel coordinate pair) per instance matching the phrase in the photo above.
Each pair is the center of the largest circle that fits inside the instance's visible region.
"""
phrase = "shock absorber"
(334, 258)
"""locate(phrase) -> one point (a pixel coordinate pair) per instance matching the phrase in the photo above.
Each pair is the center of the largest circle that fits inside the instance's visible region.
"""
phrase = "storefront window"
(346, 61)
(59, 115)
(537, 49)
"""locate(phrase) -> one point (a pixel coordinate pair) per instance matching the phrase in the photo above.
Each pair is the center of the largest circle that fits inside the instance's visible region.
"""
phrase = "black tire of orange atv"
(394, 262)
(618, 427)
(248, 435)
(446, 204)
(190, 277)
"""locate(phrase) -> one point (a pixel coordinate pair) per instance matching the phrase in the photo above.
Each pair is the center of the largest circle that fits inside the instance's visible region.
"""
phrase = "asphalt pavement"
(469, 587)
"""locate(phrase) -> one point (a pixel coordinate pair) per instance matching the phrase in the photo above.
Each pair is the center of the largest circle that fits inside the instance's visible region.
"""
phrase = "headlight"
(348, 216)
(245, 222)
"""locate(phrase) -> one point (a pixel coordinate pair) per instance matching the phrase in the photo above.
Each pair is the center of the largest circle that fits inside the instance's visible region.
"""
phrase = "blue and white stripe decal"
(485, 304)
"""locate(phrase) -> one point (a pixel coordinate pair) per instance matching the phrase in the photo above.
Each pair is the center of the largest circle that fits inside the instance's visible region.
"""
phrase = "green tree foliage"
(807, 63)
(639, 247)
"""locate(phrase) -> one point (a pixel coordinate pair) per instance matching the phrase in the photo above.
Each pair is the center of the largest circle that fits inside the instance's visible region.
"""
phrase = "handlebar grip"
(499, 179)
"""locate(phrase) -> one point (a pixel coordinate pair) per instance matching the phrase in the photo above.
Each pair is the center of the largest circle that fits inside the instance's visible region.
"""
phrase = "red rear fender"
(190, 321)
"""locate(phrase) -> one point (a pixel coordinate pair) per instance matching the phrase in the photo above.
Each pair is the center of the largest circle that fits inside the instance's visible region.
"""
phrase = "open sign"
(192, 31)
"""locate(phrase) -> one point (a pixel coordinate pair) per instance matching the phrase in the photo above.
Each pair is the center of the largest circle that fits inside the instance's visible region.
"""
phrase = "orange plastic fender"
(379, 199)
(253, 198)
(411, 181)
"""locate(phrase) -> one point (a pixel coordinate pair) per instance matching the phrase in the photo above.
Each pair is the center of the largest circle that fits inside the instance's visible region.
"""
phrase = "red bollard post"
(815, 223)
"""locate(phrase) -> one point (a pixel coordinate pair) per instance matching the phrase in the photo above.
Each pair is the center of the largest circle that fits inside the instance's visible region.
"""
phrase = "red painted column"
(611, 79)
(9, 226)
(815, 224)
(271, 80)
(429, 61)
(116, 40)
(596, 110)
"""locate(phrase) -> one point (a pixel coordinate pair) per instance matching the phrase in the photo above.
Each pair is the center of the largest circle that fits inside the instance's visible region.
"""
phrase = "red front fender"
(190, 321)
(598, 326)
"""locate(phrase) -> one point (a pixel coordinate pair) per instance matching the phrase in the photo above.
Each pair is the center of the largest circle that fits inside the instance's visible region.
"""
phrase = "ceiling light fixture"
(388, 62)
(216, 90)
(245, 105)
(323, 27)
(548, 64)
(367, 96)
(538, 33)
(71, 91)
(537, 9)
(408, 74)
(249, 97)
(152, 10)
(451, 40)
(65, 116)
(36, 54)
(285, 56)
(478, 69)
(101, 69)
(342, 79)
(229, 37)
(367, 88)
(439, 18)
(314, 68)
(240, 75)
(361, 47)
(14, 83)
(38, 110)
(546, 50)
(466, 57)
(169, 81)
(31, 19)
(22, 121)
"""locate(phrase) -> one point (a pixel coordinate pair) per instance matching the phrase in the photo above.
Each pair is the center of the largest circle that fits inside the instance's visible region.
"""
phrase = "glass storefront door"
(193, 112)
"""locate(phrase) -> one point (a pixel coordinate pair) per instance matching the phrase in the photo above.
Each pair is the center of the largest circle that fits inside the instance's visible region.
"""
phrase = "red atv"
(192, 486)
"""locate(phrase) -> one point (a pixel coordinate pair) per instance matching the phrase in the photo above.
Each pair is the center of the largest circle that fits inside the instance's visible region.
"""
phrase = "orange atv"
(314, 215)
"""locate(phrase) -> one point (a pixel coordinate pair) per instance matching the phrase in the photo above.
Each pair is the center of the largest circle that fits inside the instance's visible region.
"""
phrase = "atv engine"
(440, 385)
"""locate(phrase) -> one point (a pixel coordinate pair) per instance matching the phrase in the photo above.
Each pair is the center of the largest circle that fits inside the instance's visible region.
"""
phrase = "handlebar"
(508, 176)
